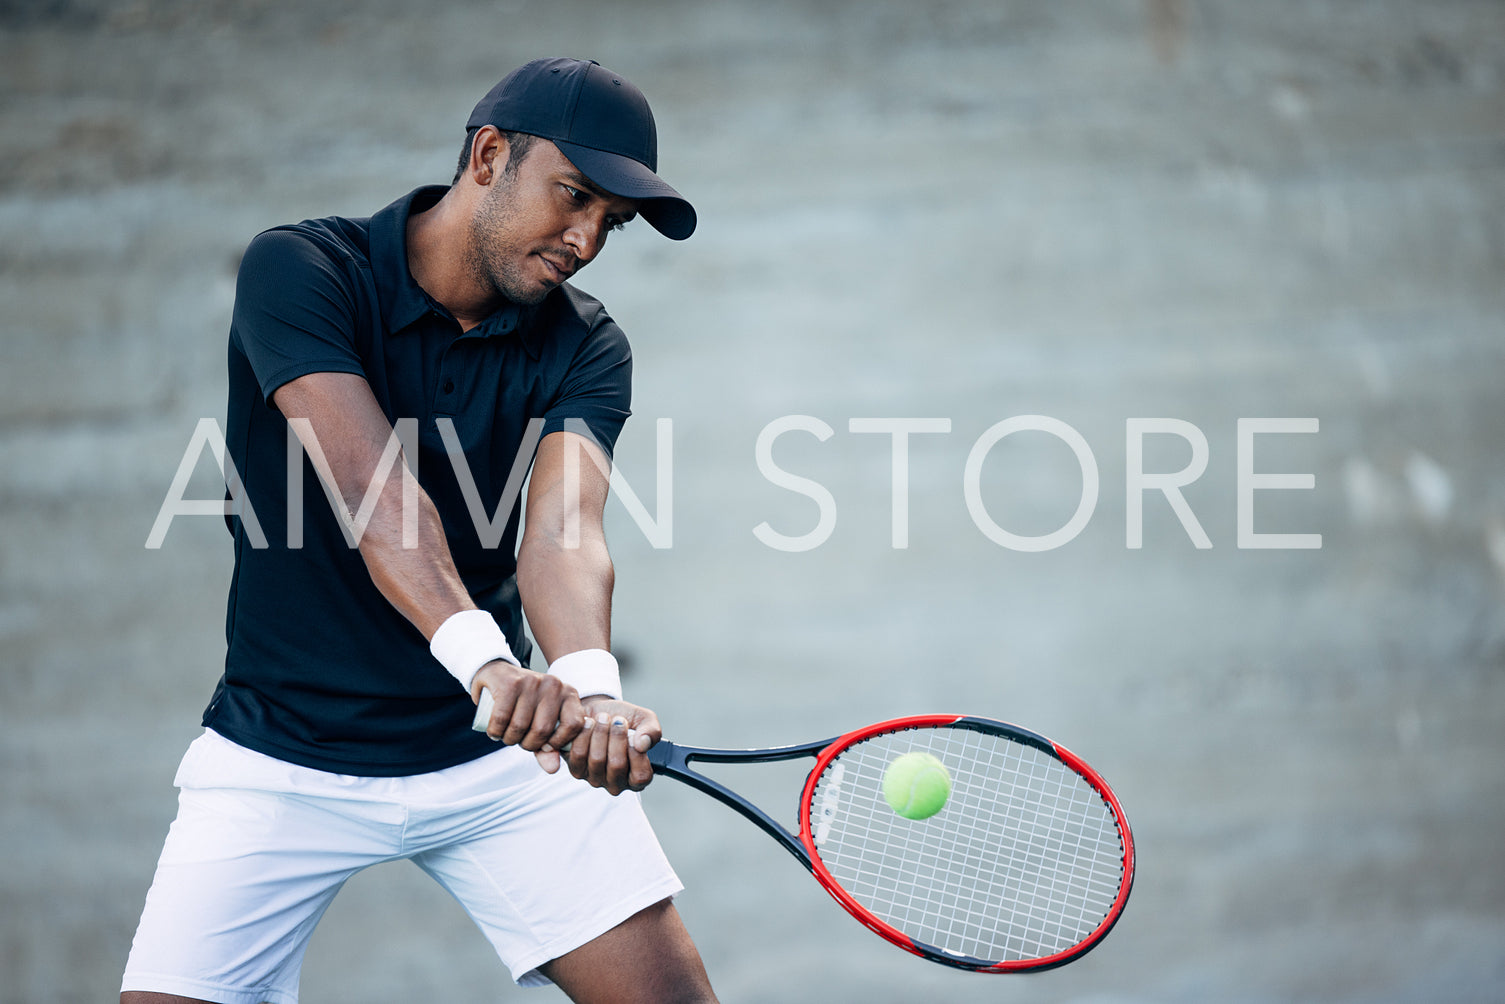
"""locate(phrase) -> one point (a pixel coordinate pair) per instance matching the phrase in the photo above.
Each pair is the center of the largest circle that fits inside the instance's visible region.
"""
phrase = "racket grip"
(483, 718)
(483, 712)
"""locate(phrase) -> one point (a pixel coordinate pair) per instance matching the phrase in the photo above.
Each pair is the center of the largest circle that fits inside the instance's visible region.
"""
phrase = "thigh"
(243, 879)
(648, 958)
(565, 864)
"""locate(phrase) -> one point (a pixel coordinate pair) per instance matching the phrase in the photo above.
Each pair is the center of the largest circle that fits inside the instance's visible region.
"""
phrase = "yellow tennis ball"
(916, 785)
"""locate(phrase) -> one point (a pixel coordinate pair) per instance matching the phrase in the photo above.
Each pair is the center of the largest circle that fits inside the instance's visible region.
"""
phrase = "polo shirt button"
(449, 386)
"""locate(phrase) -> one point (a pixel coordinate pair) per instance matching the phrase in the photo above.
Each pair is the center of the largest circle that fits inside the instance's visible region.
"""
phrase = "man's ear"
(488, 152)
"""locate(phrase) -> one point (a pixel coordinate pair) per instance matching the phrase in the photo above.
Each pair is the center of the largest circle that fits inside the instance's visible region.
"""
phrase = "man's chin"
(529, 295)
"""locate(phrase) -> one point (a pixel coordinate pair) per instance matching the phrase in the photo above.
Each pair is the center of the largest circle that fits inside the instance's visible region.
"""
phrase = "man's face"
(540, 223)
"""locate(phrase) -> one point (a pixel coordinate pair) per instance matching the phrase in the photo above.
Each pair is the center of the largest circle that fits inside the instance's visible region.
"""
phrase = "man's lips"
(557, 272)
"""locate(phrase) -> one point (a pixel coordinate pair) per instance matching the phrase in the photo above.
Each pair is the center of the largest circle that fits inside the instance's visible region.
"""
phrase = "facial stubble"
(493, 261)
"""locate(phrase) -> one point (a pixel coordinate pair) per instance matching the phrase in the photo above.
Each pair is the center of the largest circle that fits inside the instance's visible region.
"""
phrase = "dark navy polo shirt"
(321, 670)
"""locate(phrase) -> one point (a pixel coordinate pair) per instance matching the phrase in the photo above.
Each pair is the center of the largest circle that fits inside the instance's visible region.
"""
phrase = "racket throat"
(673, 761)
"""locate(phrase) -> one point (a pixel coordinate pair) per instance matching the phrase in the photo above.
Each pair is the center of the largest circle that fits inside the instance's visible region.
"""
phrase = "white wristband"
(467, 641)
(590, 671)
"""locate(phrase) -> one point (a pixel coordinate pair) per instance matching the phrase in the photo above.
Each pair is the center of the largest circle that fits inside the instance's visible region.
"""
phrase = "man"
(389, 379)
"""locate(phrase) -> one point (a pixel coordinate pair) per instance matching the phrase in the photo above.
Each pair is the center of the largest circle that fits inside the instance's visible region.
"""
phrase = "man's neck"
(436, 240)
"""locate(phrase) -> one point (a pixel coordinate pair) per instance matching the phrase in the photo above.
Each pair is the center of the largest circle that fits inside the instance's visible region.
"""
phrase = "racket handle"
(483, 718)
(483, 712)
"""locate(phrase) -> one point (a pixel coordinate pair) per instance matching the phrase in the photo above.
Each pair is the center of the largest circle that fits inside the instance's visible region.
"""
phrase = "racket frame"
(674, 761)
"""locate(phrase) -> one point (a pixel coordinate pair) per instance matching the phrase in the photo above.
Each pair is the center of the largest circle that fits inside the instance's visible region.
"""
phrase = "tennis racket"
(1028, 866)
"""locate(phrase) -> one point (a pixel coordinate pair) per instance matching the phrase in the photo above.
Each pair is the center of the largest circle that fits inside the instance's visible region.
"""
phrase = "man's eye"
(574, 193)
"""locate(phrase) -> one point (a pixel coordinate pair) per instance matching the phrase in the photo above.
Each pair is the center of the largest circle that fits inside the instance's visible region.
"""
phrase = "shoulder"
(333, 244)
(316, 262)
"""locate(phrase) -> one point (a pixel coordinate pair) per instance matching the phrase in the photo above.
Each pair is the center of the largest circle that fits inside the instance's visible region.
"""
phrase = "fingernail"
(603, 718)
(619, 722)
(641, 744)
(589, 721)
(546, 748)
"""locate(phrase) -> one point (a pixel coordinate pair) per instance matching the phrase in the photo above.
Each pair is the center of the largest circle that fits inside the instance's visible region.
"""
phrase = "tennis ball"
(916, 785)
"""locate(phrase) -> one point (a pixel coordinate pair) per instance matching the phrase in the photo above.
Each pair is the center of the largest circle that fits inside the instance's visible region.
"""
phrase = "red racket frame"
(892, 934)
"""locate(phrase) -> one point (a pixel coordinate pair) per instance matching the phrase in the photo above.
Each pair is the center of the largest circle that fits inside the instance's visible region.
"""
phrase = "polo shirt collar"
(512, 318)
(403, 301)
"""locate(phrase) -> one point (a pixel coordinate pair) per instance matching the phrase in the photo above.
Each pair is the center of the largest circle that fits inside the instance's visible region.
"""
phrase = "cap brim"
(664, 208)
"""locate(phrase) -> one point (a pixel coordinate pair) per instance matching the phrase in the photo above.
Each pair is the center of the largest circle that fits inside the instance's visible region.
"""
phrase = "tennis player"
(389, 380)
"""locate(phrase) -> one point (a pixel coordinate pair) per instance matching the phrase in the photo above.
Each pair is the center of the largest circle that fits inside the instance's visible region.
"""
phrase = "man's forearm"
(566, 593)
(421, 582)
(338, 421)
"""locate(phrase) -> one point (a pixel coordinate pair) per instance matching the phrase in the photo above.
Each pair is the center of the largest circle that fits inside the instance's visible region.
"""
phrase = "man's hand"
(539, 712)
(602, 754)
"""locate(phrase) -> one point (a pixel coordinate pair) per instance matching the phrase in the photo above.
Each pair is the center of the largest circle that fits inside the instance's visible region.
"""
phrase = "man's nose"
(586, 238)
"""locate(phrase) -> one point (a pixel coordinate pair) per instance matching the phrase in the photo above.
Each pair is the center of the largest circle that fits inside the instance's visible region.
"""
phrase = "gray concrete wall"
(1204, 211)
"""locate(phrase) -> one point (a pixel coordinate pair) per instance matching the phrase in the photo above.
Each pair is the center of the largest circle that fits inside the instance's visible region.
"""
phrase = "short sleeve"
(597, 388)
(294, 311)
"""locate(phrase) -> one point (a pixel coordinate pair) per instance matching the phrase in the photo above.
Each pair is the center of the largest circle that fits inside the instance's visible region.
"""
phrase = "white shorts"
(542, 862)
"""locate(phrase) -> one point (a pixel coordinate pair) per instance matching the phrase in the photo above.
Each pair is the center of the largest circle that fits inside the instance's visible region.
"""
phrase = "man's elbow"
(563, 540)
(544, 549)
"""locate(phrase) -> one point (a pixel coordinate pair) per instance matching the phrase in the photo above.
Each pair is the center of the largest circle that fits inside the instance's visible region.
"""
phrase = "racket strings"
(1025, 860)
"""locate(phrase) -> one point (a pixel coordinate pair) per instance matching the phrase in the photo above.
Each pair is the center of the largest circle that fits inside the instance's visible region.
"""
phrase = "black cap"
(600, 122)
